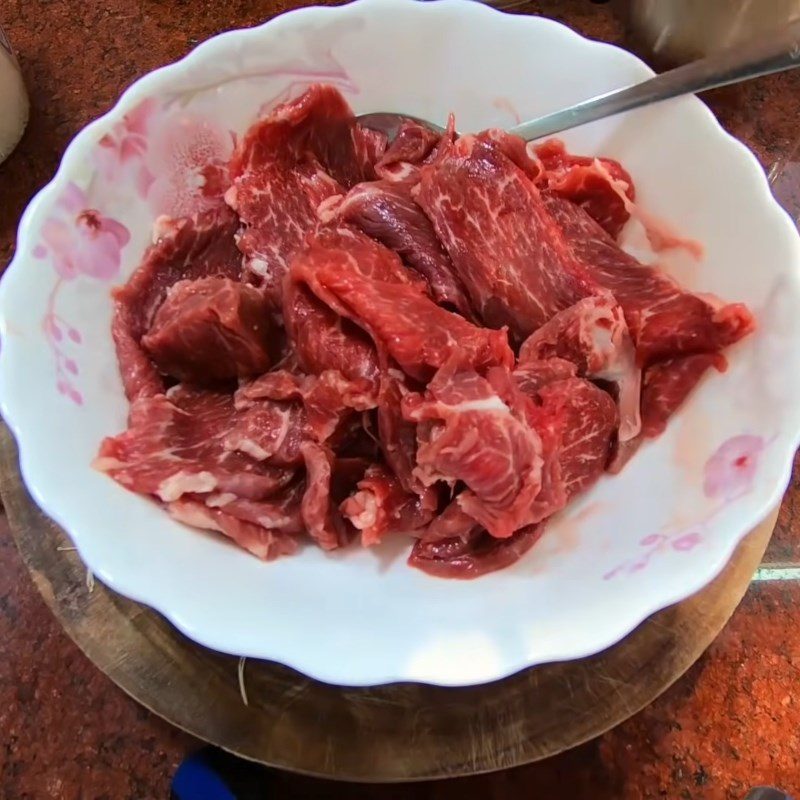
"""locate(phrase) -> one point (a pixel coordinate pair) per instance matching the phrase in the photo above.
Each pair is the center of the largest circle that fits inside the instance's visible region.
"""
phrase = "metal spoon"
(775, 51)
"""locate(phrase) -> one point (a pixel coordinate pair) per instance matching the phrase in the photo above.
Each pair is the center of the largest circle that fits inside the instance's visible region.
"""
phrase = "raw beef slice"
(209, 330)
(452, 523)
(664, 319)
(324, 340)
(280, 411)
(589, 423)
(267, 543)
(326, 397)
(271, 431)
(323, 336)
(533, 375)
(375, 292)
(176, 445)
(667, 385)
(397, 436)
(381, 506)
(594, 336)
(409, 149)
(475, 438)
(473, 556)
(387, 212)
(587, 182)
(184, 249)
(286, 164)
(320, 516)
(505, 247)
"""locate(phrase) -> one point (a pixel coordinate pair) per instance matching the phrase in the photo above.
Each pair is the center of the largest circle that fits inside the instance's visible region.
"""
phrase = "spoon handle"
(773, 52)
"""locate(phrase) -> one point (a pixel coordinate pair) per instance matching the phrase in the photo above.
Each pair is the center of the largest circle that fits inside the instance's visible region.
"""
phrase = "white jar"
(13, 99)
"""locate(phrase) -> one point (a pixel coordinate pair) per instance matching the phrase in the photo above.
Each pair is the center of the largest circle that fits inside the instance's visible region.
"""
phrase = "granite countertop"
(67, 732)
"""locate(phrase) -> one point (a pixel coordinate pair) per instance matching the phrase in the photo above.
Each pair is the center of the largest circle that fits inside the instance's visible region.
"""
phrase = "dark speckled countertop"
(67, 732)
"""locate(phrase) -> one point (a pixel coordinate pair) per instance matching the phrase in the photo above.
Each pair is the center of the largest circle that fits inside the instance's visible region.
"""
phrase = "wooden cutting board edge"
(394, 733)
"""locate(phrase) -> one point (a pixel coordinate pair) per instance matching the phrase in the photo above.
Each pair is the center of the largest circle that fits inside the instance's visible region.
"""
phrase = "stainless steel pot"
(677, 31)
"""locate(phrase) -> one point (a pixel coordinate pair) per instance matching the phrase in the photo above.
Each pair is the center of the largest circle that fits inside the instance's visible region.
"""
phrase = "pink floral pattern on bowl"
(731, 471)
(119, 156)
(172, 160)
(176, 163)
(728, 474)
(77, 241)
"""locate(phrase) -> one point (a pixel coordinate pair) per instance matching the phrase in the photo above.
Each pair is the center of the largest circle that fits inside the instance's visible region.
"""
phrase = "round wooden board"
(389, 733)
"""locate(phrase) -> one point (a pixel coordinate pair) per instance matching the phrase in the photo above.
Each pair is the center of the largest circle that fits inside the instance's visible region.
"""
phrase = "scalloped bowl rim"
(332, 670)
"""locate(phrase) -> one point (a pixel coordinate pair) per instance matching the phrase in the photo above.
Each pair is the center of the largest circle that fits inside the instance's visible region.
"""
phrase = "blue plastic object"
(198, 778)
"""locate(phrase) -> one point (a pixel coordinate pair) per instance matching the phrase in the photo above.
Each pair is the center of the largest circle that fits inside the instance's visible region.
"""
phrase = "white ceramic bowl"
(636, 543)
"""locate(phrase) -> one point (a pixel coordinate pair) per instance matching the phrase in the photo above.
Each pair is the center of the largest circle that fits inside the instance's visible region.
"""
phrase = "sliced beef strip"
(485, 437)
(594, 336)
(507, 250)
(184, 249)
(321, 330)
(211, 329)
(286, 164)
(387, 212)
(381, 506)
(402, 320)
(477, 555)
(587, 182)
(268, 530)
(175, 444)
(664, 319)
(281, 411)
(589, 426)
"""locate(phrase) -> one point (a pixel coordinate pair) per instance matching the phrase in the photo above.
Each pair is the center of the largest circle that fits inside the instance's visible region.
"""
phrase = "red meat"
(397, 436)
(533, 375)
(412, 145)
(587, 182)
(668, 384)
(320, 516)
(176, 444)
(594, 336)
(516, 149)
(185, 249)
(285, 166)
(326, 398)
(476, 438)
(382, 506)
(369, 401)
(323, 340)
(665, 387)
(264, 542)
(209, 330)
(478, 554)
(588, 426)
(505, 247)
(320, 330)
(664, 319)
(452, 523)
(387, 212)
(374, 290)
(270, 431)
